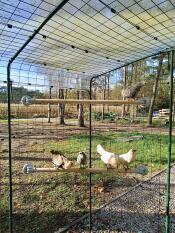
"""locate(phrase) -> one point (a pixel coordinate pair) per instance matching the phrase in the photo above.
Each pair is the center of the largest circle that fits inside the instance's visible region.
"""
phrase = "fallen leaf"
(100, 189)
(40, 210)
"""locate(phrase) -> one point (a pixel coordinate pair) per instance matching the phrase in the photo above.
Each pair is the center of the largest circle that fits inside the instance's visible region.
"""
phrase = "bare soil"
(34, 201)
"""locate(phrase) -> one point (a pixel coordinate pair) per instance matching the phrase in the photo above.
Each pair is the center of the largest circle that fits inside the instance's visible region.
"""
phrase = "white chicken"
(110, 159)
(128, 158)
(115, 161)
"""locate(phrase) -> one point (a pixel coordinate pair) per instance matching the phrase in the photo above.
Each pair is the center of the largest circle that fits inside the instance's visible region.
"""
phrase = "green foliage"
(152, 150)
(18, 93)
(3, 116)
(162, 100)
(49, 197)
(116, 92)
(98, 116)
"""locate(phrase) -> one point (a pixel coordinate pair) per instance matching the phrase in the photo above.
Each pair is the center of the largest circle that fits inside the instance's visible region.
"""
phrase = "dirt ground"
(28, 140)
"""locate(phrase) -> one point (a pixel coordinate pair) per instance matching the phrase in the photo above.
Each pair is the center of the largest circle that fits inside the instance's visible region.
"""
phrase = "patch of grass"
(3, 212)
(152, 150)
(44, 202)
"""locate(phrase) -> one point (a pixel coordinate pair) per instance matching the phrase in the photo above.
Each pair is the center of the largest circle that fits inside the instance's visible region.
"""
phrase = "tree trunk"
(135, 74)
(49, 113)
(108, 93)
(77, 96)
(154, 94)
(49, 105)
(81, 116)
(61, 108)
(124, 86)
(104, 97)
(132, 81)
(81, 111)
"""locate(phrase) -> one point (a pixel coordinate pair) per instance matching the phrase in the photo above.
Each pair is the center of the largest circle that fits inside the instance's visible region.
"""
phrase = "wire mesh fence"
(37, 131)
(51, 201)
(65, 44)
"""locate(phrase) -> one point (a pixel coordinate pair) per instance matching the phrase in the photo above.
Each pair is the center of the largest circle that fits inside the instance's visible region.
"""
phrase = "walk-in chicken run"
(87, 116)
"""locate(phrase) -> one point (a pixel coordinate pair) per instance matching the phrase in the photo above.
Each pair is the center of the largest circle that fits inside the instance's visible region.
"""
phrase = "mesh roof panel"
(86, 35)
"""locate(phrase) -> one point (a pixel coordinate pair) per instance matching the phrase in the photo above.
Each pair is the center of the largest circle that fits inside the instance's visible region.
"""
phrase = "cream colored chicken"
(110, 159)
(128, 158)
(116, 161)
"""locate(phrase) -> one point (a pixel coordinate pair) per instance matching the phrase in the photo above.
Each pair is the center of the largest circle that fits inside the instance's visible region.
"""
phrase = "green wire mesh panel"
(124, 128)
(4, 201)
(78, 40)
(41, 199)
(45, 201)
(130, 202)
(87, 36)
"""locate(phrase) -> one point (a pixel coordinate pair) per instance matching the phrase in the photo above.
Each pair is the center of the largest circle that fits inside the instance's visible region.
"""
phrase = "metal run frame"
(59, 7)
(171, 55)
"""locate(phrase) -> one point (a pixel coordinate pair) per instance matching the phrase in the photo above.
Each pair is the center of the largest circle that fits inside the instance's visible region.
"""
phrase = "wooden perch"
(85, 101)
(27, 100)
(29, 168)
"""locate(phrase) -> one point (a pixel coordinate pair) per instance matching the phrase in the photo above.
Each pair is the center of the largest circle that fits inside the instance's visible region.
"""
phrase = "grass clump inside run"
(45, 202)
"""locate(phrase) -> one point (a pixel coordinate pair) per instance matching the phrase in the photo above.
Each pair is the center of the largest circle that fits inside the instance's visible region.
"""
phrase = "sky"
(35, 77)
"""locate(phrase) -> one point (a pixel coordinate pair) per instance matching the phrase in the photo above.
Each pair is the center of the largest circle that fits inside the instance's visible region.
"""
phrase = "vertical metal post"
(90, 157)
(11, 89)
(59, 7)
(169, 146)
(9, 149)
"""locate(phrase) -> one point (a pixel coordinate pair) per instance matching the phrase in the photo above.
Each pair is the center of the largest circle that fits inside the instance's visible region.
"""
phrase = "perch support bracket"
(28, 168)
(26, 100)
